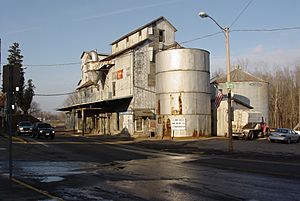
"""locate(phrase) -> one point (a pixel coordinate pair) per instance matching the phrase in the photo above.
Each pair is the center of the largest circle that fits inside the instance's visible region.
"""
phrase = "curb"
(14, 138)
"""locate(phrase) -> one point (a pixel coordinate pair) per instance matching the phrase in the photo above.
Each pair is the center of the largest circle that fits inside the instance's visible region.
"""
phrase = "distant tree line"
(284, 93)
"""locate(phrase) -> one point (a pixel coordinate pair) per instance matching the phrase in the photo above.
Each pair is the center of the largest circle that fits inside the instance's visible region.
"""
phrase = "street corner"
(14, 189)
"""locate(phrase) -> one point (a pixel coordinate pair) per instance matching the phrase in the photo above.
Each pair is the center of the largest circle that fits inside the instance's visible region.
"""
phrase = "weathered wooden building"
(116, 93)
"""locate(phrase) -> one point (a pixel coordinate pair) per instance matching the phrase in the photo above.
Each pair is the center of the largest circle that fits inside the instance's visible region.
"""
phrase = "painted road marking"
(2, 149)
(32, 188)
(36, 190)
(33, 141)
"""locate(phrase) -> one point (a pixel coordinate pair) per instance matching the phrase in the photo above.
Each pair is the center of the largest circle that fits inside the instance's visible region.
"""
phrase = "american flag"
(218, 98)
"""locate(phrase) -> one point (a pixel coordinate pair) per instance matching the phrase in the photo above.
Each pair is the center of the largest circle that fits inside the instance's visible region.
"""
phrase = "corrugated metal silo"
(183, 92)
(252, 88)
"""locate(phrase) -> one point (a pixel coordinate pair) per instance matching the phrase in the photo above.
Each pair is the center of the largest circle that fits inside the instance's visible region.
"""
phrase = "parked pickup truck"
(249, 125)
(253, 130)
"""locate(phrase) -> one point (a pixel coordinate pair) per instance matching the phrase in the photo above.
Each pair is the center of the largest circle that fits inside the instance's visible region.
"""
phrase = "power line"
(48, 65)
(61, 94)
(245, 30)
(236, 19)
(202, 37)
(267, 30)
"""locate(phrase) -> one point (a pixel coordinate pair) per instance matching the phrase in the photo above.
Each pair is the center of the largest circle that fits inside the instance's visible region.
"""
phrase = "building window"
(127, 40)
(114, 88)
(139, 124)
(161, 35)
(116, 45)
(140, 33)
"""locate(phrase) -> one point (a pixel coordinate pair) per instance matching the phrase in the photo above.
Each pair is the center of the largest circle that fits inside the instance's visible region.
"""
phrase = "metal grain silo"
(183, 93)
(250, 89)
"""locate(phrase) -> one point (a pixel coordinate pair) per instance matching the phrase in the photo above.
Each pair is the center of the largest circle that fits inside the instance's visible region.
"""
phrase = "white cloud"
(131, 9)
(258, 49)
(275, 57)
(259, 57)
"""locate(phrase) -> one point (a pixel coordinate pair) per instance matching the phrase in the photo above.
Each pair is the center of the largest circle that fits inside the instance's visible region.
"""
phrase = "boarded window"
(114, 88)
(151, 53)
(150, 30)
(161, 35)
(139, 124)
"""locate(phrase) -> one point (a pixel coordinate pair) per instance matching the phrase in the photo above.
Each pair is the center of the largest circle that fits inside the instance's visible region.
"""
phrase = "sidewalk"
(12, 190)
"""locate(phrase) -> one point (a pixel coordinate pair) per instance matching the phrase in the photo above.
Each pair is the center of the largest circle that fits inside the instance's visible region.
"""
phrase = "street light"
(226, 32)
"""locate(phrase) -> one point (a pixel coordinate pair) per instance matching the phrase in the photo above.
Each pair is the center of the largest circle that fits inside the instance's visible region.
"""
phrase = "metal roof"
(142, 27)
(238, 75)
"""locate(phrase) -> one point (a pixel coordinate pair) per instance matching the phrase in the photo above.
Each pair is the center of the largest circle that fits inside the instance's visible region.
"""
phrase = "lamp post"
(226, 33)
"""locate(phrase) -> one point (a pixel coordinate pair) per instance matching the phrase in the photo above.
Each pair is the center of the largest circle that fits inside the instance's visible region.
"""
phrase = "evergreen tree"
(23, 96)
(27, 96)
(15, 59)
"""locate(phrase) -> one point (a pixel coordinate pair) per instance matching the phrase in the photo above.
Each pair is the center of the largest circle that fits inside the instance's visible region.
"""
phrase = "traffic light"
(15, 73)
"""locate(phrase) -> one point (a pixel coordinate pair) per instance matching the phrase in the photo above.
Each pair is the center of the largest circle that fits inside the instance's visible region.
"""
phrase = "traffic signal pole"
(9, 122)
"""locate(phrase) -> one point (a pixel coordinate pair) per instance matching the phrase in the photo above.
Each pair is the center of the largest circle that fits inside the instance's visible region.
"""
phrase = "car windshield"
(44, 126)
(25, 124)
(282, 130)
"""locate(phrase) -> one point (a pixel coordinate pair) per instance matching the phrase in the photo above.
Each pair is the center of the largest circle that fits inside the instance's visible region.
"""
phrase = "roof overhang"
(104, 106)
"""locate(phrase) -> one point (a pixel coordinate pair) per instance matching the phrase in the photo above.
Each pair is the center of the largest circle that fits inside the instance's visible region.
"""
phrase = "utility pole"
(228, 83)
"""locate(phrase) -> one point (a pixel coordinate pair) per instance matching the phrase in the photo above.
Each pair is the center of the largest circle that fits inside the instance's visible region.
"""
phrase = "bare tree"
(72, 99)
(34, 109)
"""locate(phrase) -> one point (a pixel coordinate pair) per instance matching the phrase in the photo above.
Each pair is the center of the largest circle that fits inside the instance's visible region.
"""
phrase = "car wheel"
(272, 141)
(52, 137)
(261, 134)
(298, 140)
(38, 136)
(250, 135)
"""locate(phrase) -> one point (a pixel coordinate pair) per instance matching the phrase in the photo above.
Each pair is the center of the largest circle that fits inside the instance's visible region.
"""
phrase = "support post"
(9, 120)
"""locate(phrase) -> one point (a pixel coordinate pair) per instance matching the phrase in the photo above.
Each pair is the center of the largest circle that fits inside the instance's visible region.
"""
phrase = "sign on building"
(120, 74)
(178, 124)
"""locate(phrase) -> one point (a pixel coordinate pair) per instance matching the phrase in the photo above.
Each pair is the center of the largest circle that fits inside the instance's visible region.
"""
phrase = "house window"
(116, 45)
(127, 40)
(161, 35)
(114, 88)
(140, 33)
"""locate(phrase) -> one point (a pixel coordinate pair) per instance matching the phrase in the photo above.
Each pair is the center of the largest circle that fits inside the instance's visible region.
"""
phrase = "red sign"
(120, 74)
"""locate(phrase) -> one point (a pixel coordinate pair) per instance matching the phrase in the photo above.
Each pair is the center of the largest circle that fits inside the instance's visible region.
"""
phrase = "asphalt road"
(97, 168)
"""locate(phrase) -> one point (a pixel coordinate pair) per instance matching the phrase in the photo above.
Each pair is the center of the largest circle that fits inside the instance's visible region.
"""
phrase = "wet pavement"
(91, 168)
(10, 190)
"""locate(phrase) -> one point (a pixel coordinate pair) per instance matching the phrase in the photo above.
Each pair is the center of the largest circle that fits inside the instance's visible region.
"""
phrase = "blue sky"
(57, 32)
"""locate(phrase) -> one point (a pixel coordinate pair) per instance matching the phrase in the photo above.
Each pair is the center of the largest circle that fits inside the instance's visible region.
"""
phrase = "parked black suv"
(43, 129)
